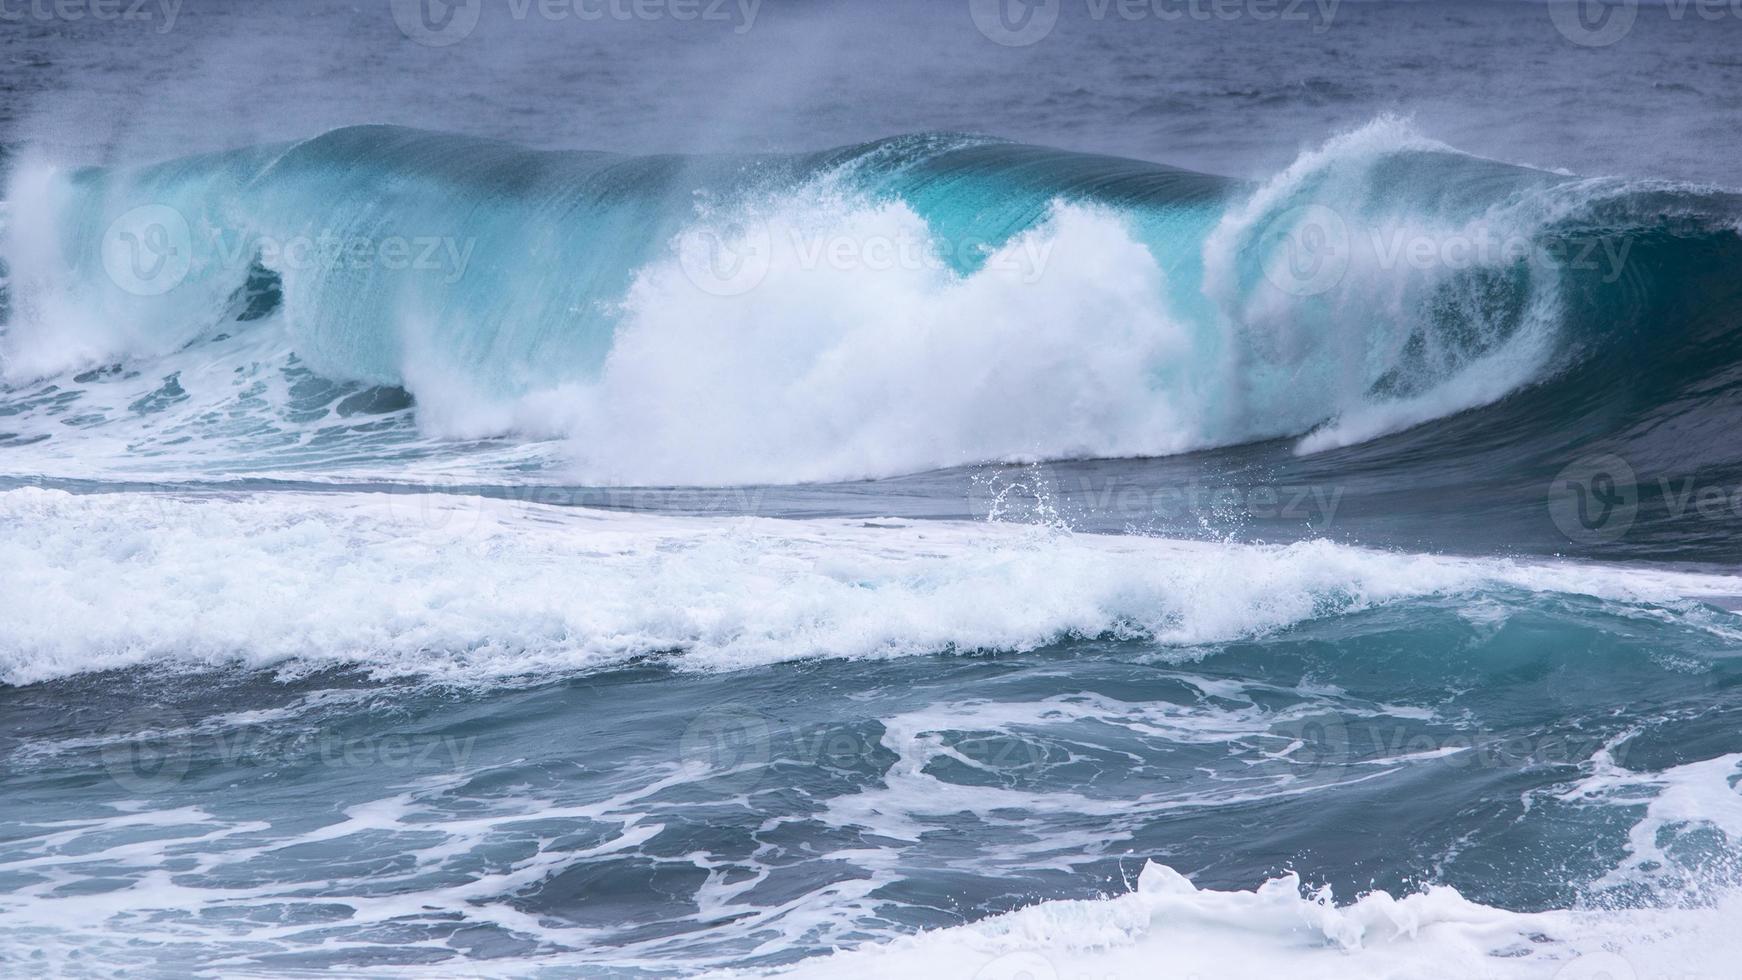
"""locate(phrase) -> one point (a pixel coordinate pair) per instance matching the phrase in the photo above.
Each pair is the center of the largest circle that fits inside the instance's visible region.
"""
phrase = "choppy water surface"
(1252, 501)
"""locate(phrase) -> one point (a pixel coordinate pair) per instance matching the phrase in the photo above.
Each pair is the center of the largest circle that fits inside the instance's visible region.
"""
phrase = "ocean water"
(930, 490)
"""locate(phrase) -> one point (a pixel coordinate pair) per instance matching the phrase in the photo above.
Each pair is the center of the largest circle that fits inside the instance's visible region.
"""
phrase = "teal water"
(498, 535)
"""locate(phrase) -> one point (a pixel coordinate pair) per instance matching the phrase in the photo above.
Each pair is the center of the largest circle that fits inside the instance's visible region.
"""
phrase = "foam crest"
(839, 365)
(1169, 927)
(470, 591)
(1380, 282)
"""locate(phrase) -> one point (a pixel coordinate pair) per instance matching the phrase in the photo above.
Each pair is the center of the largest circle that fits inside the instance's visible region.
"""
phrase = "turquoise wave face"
(515, 259)
(898, 306)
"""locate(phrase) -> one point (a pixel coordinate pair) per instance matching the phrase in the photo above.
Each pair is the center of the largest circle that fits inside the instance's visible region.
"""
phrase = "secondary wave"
(485, 592)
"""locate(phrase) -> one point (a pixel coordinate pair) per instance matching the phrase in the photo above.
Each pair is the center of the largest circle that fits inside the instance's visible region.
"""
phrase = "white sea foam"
(1678, 803)
(1170, 928)
(838, 366)
(473, 591)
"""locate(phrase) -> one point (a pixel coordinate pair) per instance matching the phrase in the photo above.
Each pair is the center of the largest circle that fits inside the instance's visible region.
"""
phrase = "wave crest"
(892, 307)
